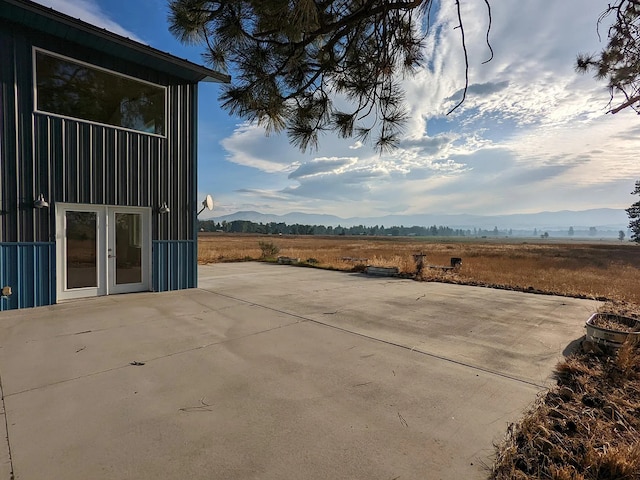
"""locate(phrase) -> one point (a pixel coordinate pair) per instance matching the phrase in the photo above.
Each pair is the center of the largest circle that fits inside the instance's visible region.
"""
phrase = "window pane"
(128, 248)
(80, 91)
(81, 250)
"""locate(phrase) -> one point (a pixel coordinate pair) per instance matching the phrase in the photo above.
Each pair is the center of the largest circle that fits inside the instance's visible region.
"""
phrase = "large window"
(77, 90)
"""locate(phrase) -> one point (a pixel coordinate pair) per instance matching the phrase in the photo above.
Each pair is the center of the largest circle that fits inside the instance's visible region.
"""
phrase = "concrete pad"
(515, 334)
(275, 372)
(6, 468)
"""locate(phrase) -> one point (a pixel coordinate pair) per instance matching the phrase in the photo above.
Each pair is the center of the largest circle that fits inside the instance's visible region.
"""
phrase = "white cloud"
(89, 11)
(249, 146)
(323, 166)
(532, 134)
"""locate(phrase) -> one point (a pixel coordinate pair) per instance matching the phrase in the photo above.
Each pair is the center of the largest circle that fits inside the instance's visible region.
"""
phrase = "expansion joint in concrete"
(302, 318)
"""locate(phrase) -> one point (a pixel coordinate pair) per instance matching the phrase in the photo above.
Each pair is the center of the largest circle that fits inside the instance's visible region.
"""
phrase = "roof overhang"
(48, 20)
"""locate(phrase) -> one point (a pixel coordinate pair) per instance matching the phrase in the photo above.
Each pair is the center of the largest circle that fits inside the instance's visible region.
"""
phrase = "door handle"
(111, 256)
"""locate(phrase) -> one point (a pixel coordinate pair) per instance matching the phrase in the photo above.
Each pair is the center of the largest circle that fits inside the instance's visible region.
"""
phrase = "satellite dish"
(207, 203)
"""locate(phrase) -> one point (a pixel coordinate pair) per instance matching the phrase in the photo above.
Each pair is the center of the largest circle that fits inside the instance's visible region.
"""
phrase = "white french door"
(102, 250)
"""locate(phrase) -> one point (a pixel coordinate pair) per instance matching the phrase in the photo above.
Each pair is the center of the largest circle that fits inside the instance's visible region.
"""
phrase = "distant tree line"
(245, 226)
(275, 228)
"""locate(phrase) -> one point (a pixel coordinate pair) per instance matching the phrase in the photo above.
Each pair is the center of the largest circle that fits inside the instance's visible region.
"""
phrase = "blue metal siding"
(73, 161)
(174, 265)
(29, 269)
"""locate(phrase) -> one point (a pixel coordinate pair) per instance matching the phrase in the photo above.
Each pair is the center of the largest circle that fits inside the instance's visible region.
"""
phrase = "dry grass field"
(604, 270)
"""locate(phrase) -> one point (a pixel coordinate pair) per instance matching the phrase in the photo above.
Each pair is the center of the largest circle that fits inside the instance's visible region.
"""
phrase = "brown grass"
(616, 323)
(586, 428)
(603, 271)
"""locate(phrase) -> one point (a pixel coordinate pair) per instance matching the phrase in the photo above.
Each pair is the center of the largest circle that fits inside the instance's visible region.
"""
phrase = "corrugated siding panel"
(104, 165)
(29, 269)
(95, 164)
(23, 176)
(174, 265)
(176, 176)
(77, 162)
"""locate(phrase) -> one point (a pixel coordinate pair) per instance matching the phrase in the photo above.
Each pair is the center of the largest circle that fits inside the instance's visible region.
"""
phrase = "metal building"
(97, 161)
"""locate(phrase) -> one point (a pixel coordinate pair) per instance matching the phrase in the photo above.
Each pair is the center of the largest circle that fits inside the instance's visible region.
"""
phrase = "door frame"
(105, 239)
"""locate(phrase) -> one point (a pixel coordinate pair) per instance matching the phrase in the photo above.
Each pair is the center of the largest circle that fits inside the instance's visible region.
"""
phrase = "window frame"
(36, 110)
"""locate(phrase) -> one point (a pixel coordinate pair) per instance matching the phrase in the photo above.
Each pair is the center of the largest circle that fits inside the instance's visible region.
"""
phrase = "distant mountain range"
(602, 219)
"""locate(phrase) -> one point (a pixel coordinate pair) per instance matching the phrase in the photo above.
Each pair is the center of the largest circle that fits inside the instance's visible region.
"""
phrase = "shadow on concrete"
(572, 347)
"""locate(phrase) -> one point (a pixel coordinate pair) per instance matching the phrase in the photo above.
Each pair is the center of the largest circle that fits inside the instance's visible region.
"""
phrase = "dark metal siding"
(105, 165)
(97, 164)
(175, 265)
(22, 177)
(27, 268)
(77, 162)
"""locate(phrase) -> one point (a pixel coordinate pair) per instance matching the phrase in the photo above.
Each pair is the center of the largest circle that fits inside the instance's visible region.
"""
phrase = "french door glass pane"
(128, 248)
(81, 249)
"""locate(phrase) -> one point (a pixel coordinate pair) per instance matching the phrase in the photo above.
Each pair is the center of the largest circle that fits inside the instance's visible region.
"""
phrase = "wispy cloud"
(323, 165)
(532, 134)
(250, 146)
(90, 12)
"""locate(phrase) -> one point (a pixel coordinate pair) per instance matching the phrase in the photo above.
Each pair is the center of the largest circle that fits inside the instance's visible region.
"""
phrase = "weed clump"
(268, 249)
(585, 428)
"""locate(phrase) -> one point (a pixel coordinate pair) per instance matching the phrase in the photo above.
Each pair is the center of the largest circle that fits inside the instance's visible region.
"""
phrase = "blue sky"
(532, 136)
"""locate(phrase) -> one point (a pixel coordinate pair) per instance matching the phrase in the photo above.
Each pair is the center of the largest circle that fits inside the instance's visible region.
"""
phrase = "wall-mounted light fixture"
(40, 202)
(164, 208)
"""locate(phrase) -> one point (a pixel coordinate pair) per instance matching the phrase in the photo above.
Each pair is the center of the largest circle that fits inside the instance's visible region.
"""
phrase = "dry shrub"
(268, 249)
(440, 275)
(585, 428)
(620, 307)
(575, 373)
(615, 462)
(628, 360)
(565, 473)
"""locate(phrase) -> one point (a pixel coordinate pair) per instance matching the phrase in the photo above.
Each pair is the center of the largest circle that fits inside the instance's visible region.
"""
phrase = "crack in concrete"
(146, 361)
(375, 339)
(6, 429)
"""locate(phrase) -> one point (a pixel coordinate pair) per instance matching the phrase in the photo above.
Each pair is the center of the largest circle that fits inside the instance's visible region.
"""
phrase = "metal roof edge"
(205, 74)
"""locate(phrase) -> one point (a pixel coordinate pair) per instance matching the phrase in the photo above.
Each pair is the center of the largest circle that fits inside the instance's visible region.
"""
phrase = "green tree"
(571, 232)
(621, 235)
(290, 59)
(634, 216)
(619, 62)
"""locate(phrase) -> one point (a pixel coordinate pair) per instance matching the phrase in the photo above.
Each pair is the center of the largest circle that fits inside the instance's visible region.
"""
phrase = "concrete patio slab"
(516, 334)
(276, 372)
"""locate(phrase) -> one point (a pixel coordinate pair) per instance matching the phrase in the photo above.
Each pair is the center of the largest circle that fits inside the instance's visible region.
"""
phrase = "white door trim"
(105, 239)
(144, 284)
